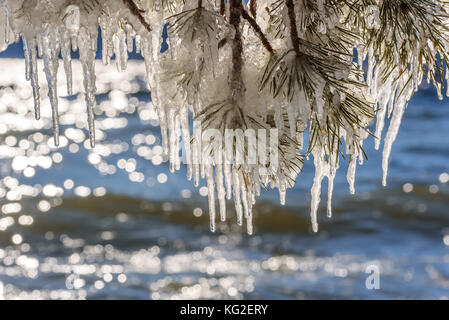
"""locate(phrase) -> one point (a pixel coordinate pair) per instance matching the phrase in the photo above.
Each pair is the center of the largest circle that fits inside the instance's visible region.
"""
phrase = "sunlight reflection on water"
(112, 222)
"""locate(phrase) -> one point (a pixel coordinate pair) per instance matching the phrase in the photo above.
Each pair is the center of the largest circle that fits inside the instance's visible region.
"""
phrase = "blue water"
(113, 222)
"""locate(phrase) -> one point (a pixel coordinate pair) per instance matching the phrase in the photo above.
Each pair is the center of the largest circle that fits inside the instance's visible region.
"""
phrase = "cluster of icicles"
(50, 28)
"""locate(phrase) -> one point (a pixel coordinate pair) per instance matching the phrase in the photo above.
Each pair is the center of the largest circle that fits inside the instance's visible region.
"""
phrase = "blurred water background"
(113, 223)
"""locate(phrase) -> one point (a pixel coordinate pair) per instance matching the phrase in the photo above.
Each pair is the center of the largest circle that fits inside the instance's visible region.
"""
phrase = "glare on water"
(79, 223)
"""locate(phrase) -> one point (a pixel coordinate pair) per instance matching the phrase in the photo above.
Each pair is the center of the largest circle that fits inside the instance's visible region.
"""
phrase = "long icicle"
(51, 70)
(67, 59)
(34, 78)
(87, 57)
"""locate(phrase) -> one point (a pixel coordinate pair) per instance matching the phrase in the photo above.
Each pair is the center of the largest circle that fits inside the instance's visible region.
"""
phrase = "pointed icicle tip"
(384, 178)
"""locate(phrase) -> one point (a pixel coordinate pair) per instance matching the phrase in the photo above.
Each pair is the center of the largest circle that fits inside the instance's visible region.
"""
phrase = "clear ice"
(198, 78)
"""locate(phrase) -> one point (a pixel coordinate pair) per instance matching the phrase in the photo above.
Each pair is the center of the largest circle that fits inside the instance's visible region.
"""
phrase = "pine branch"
(237, 85)
(258, 31)
(222, 7)
(138, 13)
(253, 8)
(293, 26)
(310, 86)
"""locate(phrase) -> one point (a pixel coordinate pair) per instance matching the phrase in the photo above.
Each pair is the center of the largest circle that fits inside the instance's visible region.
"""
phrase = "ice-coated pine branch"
(253, 76)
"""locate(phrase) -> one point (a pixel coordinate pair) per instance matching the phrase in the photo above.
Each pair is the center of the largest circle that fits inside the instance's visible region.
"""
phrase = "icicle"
(447, 82)
(34, 77)
(244, 191)
(228, 180)
(150, 55)
(39, 45)
(249, 217)
(6, 26)
(26, 52)
(316, 189)
(392, 134)
(173, 137)
(386, 101)
(360, 56)
(163, 123)
(176, 146)
(138, 43)
(256, 184)
(282, 196)
(237, 199)
(221, 191)
(211, 195)
(330, 191)
(186, 139)
(202, 171)
(67, 59)
(74, 42)
(371, 64)
(51, 70)
(129, 38)
(105, 46)
(380, 122)
(351, 173)
(104, 49)
(87, 58)
(249, 224)
(120, 50)
(196, 151)
(72, 24)
(392, 101)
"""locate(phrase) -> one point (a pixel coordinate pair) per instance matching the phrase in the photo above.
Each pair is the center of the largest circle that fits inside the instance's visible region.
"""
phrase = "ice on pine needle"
(280, 67)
